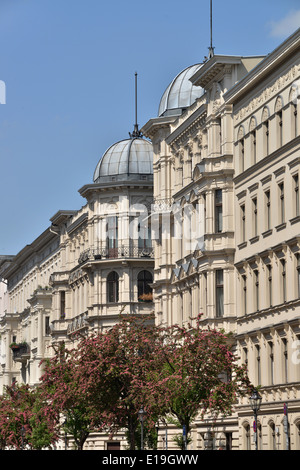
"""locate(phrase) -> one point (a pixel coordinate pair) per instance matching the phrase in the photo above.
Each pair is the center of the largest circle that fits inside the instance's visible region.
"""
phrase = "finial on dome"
(136, 132)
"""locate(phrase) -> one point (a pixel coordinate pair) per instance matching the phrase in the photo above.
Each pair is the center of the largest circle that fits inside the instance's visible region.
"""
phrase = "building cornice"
(270, 63)
(212, 68)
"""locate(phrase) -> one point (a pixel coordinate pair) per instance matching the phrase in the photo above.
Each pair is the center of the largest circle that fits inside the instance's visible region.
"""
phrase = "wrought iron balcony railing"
(122, 251)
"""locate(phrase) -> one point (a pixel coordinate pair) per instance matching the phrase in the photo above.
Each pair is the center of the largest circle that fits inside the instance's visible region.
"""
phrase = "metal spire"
(211, 48)
(136, 132)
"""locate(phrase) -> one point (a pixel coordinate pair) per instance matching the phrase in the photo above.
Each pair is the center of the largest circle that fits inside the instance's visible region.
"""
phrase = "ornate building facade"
(86, 269)
(219, 184)
(226, 171)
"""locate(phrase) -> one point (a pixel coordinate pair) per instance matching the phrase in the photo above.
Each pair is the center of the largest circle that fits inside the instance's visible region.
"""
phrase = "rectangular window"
(62, 304)
(218, 211)
(298, 274)
(270, 284)
(268, 210)
(281, 203)
(112, 236)
(243, 223)
(271, 359)
(283, 279)
(219, 293)
(244, 278)
(254, 202)
(296, 194)
(47, 326)
(256, 290)
(285, 360)
(266, 138)
(258, 364)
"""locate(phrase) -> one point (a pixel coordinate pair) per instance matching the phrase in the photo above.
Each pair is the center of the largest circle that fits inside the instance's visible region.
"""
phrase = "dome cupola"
(181, 93)
(127, 160)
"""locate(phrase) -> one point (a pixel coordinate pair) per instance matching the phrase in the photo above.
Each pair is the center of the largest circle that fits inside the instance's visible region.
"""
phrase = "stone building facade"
(226, 171)
(218, 189)
(85, 270)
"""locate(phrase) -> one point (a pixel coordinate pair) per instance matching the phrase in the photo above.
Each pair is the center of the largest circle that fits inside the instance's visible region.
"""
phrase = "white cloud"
(285, 26)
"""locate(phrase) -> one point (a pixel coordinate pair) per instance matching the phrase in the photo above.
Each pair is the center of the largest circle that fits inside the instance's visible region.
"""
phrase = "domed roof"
(128, 159)
(181, 93)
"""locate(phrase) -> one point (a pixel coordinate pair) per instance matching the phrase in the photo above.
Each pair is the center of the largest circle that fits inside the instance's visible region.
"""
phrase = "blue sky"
(68, 67)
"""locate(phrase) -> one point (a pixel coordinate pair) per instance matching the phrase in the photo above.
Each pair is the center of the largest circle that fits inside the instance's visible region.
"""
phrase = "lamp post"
(255, 402)
(142, 417)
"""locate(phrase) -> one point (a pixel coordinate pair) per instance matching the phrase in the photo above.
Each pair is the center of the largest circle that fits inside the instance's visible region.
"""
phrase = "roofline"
(264, 68)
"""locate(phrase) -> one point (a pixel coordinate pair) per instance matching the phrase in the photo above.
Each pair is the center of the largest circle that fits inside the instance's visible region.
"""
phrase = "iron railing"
(122, 251)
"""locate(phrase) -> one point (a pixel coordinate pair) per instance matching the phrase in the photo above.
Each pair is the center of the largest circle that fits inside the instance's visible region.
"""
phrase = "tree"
(61, 389)
(113, 369)
(23, 419)
(196, 373)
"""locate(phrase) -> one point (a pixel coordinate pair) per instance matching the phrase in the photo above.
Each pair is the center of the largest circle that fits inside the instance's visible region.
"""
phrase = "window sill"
(294, 220)
(280, 226)
(242, 245)
(267, 233)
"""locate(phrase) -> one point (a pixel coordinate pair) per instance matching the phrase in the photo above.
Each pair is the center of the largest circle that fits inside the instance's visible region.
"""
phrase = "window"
(285, 360)
(281, 203)
(268, 210)
(218, 211)
(293, 98)
(47, 326)
(278, 117)
(266, 137)
(256, 290)
(243, 223)
(219, 293)
(247, 437)
(283, 279)
(245, 354)
(62, 304)
(298, 274)
(271, 362)
(272, 439)
(258, 370)
(253, 146)
(113, 287)
(244, 279)
(296, 194)
(144, 240)
(241, 147)
(294, 120)
(112, 236)
(269, 267)
(254, 203)
(144, 279)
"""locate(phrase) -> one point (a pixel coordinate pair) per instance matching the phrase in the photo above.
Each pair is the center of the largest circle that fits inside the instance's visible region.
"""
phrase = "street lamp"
(142, 416)
(255, 402)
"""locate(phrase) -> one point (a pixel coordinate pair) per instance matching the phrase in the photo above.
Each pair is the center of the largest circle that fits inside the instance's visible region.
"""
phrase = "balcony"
(120, 252)
(21, 352)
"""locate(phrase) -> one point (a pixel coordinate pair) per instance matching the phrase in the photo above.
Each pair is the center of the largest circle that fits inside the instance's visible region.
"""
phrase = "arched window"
(278, 113)
(113, 287)
(253, 140)
(144, 279)
(272, 436)
(241, 149)
(265, 125)
(293, 98)
(246, 437)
